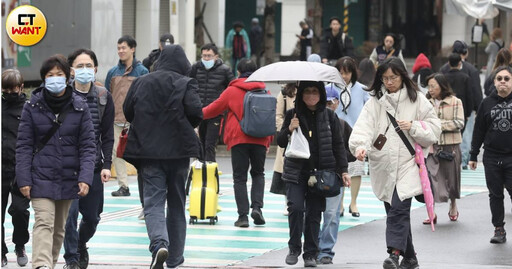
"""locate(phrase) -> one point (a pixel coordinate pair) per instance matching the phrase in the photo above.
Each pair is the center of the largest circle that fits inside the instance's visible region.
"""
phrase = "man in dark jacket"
(460, 84)
(165, 40)
(493, 129)
(13, 100)
(213, 77)
(335, 43)
(163, 108)
(460, 47)
(101, 106)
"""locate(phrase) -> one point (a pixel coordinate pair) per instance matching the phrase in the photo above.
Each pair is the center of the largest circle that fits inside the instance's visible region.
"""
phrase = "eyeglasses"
(500, 78)
(207, 56)
(391, 79)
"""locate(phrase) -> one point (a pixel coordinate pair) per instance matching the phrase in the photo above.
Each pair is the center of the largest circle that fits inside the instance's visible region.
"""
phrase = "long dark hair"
(446, 90)
(366, 72)
(397, 67)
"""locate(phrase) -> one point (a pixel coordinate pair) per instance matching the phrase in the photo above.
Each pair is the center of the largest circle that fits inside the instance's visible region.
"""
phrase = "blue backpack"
(259, 118)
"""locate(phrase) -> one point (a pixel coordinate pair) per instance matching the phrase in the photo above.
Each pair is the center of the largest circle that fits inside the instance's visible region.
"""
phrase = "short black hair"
(167, 38)
(454, 59)
(57, 60)
(78, 52)
(210, 46)
(130, 41)
(246, 65)
(335, 18)
(11, 78)
(238, 24)
(347, 64)
(501, 68)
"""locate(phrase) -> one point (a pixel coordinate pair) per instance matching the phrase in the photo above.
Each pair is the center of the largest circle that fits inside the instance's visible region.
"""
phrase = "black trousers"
(301, 201)
(19, 212)
(498, 173)
(398, 226)
(241, 156)
(209, 134)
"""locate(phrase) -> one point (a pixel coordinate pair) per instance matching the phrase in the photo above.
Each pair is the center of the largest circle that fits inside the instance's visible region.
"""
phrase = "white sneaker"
(141, 215)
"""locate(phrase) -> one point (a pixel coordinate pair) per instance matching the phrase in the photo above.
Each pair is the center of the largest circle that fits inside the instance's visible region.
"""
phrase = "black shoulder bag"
(56, 125)
(420, 198)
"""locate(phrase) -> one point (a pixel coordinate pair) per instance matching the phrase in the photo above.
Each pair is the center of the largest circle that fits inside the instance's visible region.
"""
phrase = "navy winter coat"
(67, 158)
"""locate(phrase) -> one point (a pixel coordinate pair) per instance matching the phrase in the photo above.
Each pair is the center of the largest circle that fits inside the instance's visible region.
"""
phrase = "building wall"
(106, 24)
(213, 18)
(147, 27)
(293, 11)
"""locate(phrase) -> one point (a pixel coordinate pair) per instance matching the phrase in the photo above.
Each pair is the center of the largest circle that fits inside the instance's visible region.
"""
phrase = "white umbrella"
(293, 71)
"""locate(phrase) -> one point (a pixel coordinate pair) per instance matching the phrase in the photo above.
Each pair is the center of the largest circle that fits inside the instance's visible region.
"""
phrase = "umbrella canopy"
(293, 71)
(425, 184)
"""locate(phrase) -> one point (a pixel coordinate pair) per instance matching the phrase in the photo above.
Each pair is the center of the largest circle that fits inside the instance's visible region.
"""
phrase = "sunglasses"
(500, 78)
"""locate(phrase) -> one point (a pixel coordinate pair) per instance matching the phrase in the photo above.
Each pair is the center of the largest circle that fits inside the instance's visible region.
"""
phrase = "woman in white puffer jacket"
(394, 174)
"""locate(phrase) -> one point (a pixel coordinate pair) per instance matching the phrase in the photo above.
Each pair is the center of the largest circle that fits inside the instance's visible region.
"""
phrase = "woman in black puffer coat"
(322, 129)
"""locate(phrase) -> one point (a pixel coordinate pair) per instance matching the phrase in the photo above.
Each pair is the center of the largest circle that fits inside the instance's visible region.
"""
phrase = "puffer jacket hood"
(421, 62)
(173, 58)
(300, 106)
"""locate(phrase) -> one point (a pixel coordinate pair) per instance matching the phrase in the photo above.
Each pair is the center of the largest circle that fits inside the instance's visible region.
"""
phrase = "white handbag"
(298, 147)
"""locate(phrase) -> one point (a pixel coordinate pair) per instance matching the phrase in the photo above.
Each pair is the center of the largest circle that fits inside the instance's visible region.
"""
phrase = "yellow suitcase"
(203, 183)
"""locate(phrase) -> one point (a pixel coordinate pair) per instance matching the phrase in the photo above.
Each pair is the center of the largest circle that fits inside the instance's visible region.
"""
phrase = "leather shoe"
(391, 262)
(354, 214)
(453, 217)
(427, 221)
(257, 216)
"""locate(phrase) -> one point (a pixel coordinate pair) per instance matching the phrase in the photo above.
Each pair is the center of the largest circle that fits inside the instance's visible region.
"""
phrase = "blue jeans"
(165, 180)
(465, 147)
(329, 232)
(90, 207)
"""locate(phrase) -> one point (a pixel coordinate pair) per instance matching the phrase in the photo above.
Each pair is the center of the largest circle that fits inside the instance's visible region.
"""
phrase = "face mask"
(84, 75)
(10, 97)
(208, 64)
(55, 85)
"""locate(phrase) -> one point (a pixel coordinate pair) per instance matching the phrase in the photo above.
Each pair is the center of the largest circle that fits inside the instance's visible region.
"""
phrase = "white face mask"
(208, 63)
(84, 75)
(55, 85)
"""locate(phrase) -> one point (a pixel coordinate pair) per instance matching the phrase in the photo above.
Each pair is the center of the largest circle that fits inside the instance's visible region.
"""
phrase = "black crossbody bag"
(56, 125)
(420, 198)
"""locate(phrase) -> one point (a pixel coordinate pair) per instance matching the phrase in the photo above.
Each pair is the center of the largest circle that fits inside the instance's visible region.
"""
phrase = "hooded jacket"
(325, 142)
(493, 126)
(163, 108)
(213, 81)
(11, 115)
(232, 100)
(420, 63)
(393, 166)
(68, 157)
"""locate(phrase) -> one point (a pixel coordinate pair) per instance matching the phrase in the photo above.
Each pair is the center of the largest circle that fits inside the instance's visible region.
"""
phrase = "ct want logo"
(26, 25)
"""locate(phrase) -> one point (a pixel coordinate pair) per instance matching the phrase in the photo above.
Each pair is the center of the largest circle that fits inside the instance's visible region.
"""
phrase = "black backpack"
(259, 118)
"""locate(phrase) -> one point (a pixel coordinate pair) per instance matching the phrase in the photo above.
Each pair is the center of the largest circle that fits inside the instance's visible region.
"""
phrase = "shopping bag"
(298, 147)
(123, 139)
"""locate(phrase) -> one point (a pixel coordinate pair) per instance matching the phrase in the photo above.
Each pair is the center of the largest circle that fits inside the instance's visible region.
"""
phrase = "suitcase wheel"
(192, 220)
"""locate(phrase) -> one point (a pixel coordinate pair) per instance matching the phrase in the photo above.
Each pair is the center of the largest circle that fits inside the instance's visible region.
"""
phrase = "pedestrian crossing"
(122, 239)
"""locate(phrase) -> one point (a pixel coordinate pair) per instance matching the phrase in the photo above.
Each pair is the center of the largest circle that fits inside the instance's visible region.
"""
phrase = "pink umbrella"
(425, 182)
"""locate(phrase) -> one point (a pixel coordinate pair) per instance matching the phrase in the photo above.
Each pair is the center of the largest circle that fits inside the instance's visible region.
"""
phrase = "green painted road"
(121, 239)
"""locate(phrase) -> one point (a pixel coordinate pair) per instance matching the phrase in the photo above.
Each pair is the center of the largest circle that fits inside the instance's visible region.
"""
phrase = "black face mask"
(10, 97)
